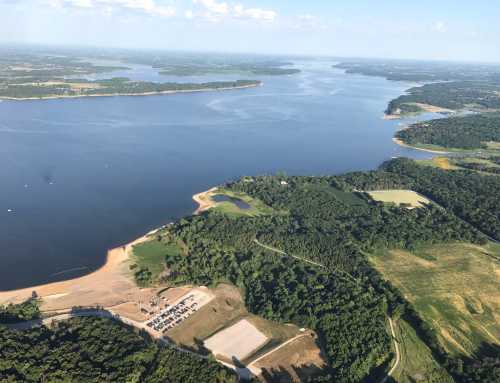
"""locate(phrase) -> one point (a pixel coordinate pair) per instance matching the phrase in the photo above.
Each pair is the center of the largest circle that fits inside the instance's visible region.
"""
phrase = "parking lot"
(171, 314)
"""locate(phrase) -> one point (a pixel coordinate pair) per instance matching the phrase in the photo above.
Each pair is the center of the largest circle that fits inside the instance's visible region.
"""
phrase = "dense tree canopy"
(468, 132)
(98, 350)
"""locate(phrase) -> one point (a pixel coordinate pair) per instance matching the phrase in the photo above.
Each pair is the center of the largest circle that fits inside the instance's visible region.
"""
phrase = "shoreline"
(164, 92)
(401, 143)
(203, 200)
(116, 258)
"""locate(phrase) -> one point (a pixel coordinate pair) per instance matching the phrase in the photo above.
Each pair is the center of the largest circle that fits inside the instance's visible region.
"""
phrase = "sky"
(459, 30)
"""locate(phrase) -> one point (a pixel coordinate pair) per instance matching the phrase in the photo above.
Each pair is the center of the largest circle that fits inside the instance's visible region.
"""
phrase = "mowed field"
(455, 288)
(398, 197)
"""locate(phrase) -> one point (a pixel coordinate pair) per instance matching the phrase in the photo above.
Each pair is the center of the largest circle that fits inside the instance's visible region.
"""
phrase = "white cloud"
(213, 6)
(254, 13)
(440, 26)
(188, 14)
(215, 11)
(107, 6)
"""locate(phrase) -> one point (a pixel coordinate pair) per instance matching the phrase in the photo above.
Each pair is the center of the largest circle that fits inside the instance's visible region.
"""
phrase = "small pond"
(224, 198)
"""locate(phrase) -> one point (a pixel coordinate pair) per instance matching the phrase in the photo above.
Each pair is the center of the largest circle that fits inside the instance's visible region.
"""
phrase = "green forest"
(324, 219)
(455, 95)
(467, 132)
(117, 85)
(99, 350)
(328, 220)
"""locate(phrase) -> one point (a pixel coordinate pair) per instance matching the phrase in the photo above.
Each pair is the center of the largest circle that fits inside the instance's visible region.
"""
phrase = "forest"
(465, 132)
(118, 85)
(99, 350)
(455, 95)
(328, 220)
(324, 219)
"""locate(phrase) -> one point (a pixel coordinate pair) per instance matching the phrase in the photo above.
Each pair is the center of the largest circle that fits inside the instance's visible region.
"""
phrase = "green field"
(455, 288)
(149, 259)
(406, 198)
(257, 207)
(417, 363)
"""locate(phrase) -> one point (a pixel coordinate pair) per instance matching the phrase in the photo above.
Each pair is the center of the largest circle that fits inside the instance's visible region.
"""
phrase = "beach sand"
(109, 286)
(401, 143)
(204, 201)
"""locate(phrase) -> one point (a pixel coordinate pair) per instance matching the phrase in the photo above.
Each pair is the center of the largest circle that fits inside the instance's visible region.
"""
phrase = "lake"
(80, 176)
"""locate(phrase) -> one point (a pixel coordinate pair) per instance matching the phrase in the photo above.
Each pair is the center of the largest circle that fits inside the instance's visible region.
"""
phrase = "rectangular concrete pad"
(237, 341)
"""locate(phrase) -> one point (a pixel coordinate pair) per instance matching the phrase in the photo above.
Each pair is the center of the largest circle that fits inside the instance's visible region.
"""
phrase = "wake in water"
(69, 271)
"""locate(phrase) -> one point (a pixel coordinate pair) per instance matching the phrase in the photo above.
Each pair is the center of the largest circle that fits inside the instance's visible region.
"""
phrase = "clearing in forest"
(455, 288)
(237, 341)
(407, 198)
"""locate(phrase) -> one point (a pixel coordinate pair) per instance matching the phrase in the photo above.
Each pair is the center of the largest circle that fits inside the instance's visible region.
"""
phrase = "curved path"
(396, 347)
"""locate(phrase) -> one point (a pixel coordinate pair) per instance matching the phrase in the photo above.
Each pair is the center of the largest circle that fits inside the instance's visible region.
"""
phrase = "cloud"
(254, 13)
(107, 6)
(440, 27)
(215, 11)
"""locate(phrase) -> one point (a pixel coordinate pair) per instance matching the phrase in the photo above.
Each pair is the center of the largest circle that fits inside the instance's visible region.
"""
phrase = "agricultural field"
(407, 198)
(417, 364)
(455, 288)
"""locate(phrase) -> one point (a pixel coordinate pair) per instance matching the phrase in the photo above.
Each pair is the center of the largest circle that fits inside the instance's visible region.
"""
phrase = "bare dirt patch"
(295, 362)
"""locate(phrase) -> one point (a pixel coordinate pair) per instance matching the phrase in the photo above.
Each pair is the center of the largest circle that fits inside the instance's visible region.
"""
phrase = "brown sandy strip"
(204, 201)
(401, 143)
(94, 285)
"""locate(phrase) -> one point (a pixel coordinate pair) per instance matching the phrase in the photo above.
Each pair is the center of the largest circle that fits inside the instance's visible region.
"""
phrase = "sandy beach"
(401, 143)
(133, 94)
(109, 286)
(203, 200)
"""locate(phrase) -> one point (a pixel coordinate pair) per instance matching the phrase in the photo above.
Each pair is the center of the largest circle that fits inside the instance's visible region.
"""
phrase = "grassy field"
(257, 207)
(150, 256)
(455, 288)
(400, 197)
(417, 363)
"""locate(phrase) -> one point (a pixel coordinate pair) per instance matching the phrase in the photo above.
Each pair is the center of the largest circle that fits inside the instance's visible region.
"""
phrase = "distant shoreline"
(401, 143)
(164, 92)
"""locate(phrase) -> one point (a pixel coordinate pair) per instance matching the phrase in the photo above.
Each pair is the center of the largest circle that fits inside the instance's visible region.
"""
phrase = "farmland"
(407, 198)
(417, 362)
(455, 288)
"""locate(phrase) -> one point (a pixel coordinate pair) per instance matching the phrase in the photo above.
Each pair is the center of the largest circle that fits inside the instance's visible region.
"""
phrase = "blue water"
(80, 176)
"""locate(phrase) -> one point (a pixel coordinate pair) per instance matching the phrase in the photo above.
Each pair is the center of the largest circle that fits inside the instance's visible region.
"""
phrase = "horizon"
(55, 47)
(356, 30)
